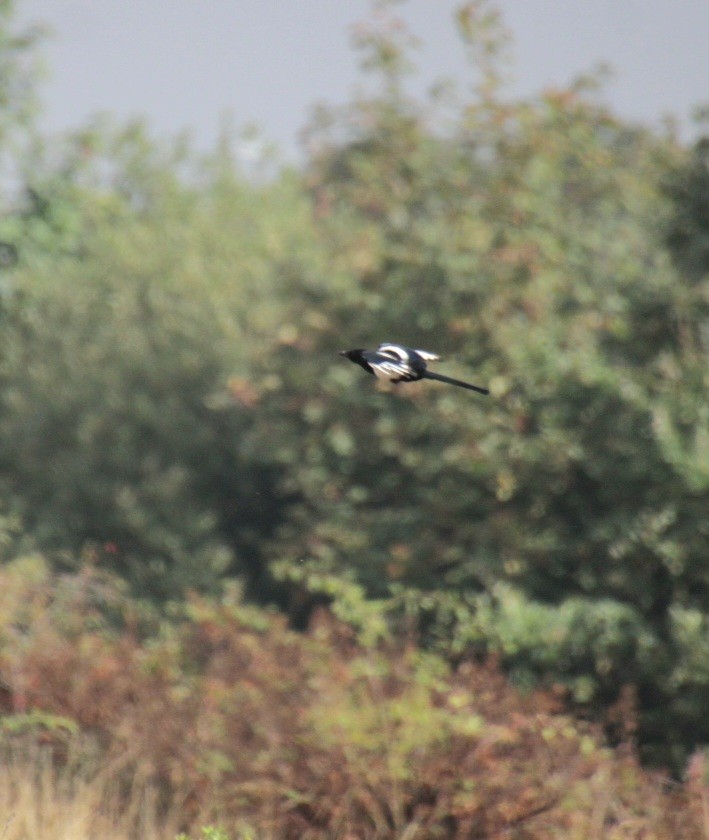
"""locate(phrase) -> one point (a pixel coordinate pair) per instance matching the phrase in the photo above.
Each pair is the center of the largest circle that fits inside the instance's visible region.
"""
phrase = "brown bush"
(232, 718)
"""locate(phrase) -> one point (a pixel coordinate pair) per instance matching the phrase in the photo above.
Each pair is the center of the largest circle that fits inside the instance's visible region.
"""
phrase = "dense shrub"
(232, 718)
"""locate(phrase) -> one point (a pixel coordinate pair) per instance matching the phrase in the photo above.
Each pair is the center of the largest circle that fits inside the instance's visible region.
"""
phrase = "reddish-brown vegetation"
(233, 719)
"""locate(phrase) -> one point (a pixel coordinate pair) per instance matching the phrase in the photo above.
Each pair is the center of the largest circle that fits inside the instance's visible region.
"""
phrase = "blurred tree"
(525, 240)
(19, 68)
(126, 422)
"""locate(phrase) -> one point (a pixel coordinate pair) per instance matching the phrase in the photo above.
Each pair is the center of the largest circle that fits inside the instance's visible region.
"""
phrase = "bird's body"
(395, 363)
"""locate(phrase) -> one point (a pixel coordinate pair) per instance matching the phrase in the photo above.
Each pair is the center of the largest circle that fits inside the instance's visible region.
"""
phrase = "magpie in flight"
(401, 364)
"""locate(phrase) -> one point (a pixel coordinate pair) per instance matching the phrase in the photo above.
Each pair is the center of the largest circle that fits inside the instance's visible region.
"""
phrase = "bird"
(396, 363)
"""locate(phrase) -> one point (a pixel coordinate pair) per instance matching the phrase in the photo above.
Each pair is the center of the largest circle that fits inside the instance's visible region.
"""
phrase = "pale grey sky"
(183, 63)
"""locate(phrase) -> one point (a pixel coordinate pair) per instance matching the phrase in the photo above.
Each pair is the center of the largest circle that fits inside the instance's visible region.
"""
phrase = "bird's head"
(353, 355)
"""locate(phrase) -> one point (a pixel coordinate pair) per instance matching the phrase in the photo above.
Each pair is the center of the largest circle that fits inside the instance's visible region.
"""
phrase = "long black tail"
(440, 378)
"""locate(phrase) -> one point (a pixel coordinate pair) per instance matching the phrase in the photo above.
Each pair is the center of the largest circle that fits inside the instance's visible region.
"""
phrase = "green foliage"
(36, 721)
(212, 832)
(688, 230)
(528, 243)
(172, 407)
(126, 419)
(18, 75)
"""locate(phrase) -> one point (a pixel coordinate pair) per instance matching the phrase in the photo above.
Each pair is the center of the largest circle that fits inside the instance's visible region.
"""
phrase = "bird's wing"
(394, 351)
(427, 356)
(384, 368)
(397, 351)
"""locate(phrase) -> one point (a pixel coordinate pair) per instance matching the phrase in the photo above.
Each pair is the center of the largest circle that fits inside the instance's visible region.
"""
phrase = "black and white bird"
(395, 363)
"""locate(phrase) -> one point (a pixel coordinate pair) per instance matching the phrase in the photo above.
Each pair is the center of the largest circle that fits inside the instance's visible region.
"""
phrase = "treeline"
(172, 408)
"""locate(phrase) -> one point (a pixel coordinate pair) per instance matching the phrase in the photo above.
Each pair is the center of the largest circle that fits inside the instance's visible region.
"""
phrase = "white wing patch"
(427, 356)
(395, 351)
(391, 371)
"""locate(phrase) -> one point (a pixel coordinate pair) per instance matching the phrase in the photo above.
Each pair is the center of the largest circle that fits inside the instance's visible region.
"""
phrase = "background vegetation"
(182, 453)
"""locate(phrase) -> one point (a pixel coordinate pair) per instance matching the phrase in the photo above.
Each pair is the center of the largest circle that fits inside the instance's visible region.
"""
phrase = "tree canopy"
(172, 406)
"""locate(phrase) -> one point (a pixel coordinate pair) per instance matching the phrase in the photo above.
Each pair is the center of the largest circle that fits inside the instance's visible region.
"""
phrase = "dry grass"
(75, 801)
